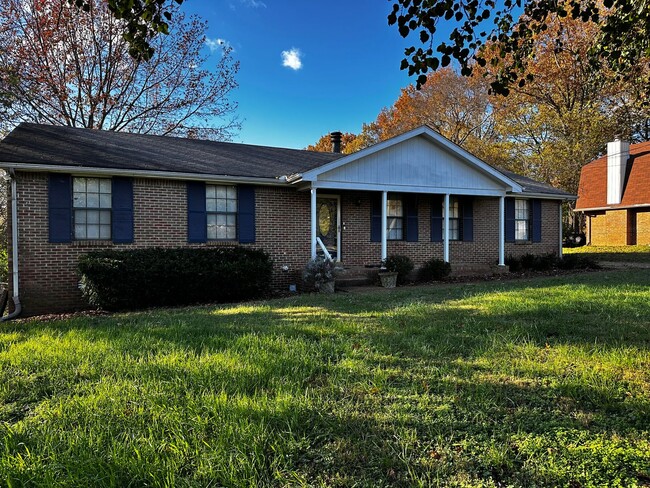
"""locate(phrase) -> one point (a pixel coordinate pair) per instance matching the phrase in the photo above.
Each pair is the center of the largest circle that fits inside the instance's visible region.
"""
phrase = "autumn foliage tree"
(66, 66)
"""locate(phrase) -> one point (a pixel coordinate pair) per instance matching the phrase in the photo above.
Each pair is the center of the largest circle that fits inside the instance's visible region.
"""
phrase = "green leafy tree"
(623, 42)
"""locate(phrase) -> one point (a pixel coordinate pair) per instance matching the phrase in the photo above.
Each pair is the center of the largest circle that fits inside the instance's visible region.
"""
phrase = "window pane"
(105, 200)
(80, 216)
(92, 185)
(210, 191)
(92, 200)
(211, 205)
(231, 206)
(105, 232)
(79, 231)
(221, 192)
(105, 217)
(92, 231)
(92, 216)
(221, 205)
(521, 230)
(79, 185)
(231, 192)
(79, 200)
(105, 185)
(231, 233)
(221, 219)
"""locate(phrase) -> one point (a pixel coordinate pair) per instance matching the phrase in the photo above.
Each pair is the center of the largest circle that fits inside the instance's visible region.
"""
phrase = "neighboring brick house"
(79, 190)
(614, 194)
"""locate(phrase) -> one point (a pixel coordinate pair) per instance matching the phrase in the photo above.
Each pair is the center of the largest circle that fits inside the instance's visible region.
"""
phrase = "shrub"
(317, 272)
(575, 261)
(118, 280)
(434, 269)
(403, 265)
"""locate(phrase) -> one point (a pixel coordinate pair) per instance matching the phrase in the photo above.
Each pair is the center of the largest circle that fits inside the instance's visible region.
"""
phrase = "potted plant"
(394, 270)
(319, 275)
(388, 279)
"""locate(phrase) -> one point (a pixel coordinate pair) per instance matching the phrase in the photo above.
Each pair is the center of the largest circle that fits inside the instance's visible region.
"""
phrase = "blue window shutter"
(197, 224)
(537, 220)
(375, 218)
(246, 215)
(436, 218)
(411, 204)
(60, 208)
(510, 219)
(122, 221)
(467, 207)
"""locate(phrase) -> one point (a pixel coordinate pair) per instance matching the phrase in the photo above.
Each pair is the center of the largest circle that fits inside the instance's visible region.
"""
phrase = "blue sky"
(349, 60)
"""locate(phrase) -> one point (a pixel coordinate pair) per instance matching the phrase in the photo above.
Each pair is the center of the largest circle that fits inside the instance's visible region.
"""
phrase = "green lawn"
(624, 254)
(542, 382)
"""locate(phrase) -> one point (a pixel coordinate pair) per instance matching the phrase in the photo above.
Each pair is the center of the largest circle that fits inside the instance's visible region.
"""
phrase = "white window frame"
(395, 221)
(455, 233)
(221, 205)
(92, 208)
(522, 220)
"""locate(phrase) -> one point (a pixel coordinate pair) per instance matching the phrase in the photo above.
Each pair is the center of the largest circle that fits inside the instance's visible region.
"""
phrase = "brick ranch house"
(614, 195)
(418, 194)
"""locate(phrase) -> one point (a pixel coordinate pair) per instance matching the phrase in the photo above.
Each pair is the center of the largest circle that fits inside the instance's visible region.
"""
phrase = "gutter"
(166, 175)
(14, 250)
(626, 207)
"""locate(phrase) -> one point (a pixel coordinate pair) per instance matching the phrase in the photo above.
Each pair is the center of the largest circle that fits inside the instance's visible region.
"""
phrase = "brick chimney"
(618, 152)
(335, 137)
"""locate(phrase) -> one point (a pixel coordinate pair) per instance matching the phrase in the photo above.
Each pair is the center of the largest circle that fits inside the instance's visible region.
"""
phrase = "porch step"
(354, 276)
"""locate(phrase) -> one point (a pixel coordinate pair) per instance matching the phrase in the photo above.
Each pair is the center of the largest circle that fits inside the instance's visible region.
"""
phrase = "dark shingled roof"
(532, 186)
(88, 148)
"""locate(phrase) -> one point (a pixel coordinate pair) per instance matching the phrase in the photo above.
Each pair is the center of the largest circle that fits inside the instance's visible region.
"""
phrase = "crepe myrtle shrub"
(153, 277)
(403, 265)
(318, 271)
(434, 269)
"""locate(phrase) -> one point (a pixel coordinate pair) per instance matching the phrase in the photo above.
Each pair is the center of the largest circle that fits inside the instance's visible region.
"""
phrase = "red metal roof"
(592, 190)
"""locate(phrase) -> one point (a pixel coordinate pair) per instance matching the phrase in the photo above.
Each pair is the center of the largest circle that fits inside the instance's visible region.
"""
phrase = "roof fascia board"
(547, 196)
(328, 185)
(626, 207)
(313, 174)
(167, 175)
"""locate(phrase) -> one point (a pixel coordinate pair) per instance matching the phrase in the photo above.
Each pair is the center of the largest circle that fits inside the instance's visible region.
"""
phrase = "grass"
(624, 254)
(543, 382)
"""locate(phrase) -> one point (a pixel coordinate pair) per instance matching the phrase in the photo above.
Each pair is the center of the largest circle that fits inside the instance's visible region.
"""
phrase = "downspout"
(14, 249)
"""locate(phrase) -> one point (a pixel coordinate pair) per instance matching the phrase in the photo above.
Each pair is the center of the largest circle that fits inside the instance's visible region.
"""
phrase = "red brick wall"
(48, 278)
(49, 283)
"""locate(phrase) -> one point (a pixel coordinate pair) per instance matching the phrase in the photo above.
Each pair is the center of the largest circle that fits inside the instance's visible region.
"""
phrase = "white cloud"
(254, 3)
(216, 45)
(291, 59)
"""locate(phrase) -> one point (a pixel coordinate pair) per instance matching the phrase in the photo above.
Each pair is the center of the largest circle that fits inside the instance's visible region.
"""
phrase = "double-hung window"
(91, 203)
(522, 220)
(454, 219)
(395, 219)
(221, 209)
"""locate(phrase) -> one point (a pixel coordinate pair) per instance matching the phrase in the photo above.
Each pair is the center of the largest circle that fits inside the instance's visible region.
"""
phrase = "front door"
(327, 223)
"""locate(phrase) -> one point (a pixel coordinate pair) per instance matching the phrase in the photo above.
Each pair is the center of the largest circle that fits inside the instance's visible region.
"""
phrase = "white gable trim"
(511, 185)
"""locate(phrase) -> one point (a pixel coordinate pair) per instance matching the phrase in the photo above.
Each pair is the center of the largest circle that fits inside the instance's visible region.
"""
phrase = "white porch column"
(446, 236)
(384, 225)
(313, 223)
(502, 231)
(560, 251)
